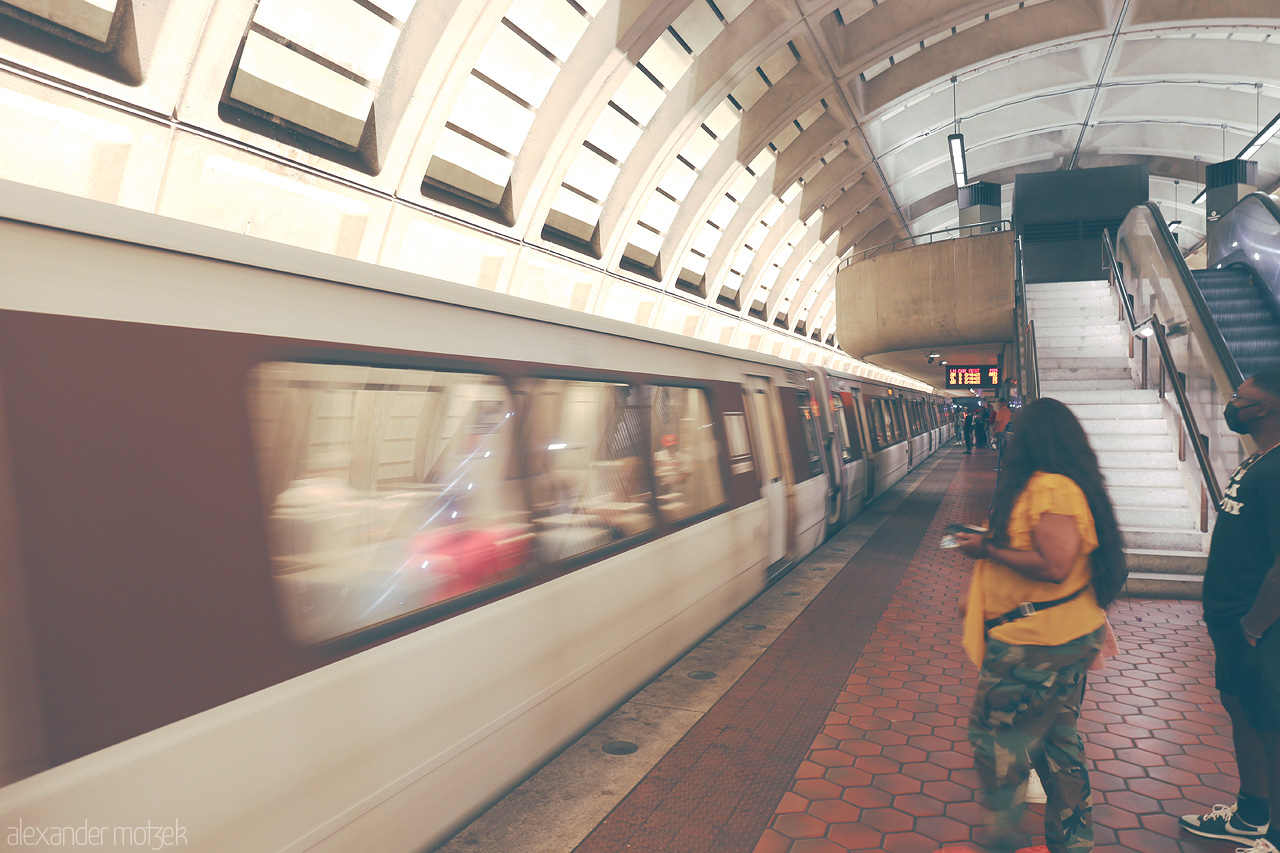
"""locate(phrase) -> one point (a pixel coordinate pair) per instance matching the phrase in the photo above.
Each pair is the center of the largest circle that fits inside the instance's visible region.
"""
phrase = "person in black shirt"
(1241, 607)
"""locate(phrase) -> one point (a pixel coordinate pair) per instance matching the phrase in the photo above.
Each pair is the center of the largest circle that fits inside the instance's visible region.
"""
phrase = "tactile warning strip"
(718, 787)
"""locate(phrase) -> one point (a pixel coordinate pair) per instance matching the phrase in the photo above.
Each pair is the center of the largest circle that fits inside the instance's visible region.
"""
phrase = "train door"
(900, 410)
(835, 452)
(768, 453)
(853, 467)
(861, 424)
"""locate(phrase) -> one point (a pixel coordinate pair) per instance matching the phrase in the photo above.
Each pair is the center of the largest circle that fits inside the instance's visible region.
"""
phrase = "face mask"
(1234, 422)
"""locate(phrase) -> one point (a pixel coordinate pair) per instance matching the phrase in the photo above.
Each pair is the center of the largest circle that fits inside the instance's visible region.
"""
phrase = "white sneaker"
(1035, 789)
(1262, 845)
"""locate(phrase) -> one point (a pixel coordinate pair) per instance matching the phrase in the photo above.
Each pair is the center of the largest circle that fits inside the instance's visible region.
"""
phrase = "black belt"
(1026, 608)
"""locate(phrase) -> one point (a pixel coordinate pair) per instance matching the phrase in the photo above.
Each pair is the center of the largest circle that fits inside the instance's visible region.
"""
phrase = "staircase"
(1083, 358)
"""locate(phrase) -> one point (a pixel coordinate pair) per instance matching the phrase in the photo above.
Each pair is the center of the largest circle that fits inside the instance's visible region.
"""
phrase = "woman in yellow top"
(1034, 623)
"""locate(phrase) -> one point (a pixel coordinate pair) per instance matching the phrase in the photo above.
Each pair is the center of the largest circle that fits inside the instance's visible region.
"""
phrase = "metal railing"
(1024, 336)
(989, 227)
(1148, 330)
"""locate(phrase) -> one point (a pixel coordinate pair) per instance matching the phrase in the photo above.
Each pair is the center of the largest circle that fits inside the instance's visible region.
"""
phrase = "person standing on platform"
(1241, 608)
(1000, 423)
(980, 425)
(1034, 623)
(966, 425)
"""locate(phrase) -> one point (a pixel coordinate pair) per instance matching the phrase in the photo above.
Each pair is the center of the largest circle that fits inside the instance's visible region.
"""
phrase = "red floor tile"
(885, 764)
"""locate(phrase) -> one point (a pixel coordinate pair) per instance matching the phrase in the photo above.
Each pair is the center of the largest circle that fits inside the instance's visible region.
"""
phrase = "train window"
(898, 419)
(388, 490)
(809, 428)
(881, 436)
(686, 459)
(735, 428)
(842, 427)
(852, 419)
(585, 443)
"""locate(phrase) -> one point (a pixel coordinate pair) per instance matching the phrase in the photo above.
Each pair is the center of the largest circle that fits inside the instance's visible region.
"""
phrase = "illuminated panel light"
(286, 84)
(959, 169)
(1263, 137)
(91, 18)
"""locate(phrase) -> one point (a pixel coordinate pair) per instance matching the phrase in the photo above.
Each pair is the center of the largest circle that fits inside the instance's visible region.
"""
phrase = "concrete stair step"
(1190, 541)
(1049, 366)
(1166, 562)
(1099, 312)
(1163, 586)
(1142, 411)
(1061, 286)
(1136, 459)
(1124, 426)
(1053, 298)
(1162, 443)
(1129, 396)
(1048, 387)
(1091, 373)
(1156, 517)
(1076, 323)
(1143, 478)
(1073, 348)
(1173, 498)
(1095, 338)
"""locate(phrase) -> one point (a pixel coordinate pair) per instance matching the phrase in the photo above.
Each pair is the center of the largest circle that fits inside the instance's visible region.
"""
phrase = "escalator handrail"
(1265, 200)
(1033, 366)
(1170, 367)
(1198, 305)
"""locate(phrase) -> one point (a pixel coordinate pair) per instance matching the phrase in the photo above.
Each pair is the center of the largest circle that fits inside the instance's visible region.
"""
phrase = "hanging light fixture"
(1173, 226)
(955, 145)
(1254, 145)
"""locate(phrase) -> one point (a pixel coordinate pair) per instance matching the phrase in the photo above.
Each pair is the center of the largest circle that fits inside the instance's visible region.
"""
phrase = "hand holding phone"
(949, 532)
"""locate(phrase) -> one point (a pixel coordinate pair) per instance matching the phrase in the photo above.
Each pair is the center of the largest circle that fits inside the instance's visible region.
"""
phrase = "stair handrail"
(1025, 336)
(1152, 329)
(1032, 390)
(991, 226)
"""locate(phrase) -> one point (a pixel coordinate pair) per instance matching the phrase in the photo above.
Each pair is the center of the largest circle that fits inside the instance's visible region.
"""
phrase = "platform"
(829, 715)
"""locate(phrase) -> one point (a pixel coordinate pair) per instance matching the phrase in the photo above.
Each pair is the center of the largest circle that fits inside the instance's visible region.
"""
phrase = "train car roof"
(45, 208)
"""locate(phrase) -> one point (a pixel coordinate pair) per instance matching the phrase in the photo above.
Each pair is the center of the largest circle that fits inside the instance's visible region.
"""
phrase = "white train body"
(153, 670)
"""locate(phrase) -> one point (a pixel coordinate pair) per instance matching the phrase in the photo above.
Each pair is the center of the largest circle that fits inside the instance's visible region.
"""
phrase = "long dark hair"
(1047, 437)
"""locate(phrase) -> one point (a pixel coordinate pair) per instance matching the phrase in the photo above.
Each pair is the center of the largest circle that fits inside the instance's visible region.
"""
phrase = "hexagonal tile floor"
(883, 763)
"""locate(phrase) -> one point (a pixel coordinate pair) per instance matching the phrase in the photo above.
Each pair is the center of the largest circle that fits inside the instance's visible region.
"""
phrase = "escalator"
(1246, 315)
(1198, 334)
(1241, 286)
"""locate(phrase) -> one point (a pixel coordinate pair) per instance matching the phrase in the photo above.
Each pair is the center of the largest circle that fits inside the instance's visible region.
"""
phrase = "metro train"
(302, 553)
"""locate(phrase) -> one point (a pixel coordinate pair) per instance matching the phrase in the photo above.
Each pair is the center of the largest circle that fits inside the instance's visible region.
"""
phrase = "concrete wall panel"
(941, 294)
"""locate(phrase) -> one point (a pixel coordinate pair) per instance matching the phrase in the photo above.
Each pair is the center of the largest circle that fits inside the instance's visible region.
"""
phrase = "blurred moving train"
(300, 553)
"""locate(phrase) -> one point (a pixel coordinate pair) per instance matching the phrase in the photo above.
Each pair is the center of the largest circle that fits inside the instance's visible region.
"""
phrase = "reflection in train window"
(812, 444)
(388, 490)
(881, 427)
(735, 428)
(588, 479)
(686, 461)
(842, 428)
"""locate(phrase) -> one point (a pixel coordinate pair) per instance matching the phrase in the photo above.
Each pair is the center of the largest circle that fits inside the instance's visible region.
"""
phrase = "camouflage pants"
(1024, 714)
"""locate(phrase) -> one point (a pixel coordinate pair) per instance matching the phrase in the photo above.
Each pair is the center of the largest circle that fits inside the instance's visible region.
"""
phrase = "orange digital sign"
(980, 376)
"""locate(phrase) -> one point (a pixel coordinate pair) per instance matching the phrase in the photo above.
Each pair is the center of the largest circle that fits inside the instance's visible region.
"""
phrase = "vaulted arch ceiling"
(695, 165)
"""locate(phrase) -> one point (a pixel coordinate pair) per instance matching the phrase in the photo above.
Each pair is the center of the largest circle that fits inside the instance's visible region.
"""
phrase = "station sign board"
(973, 376)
